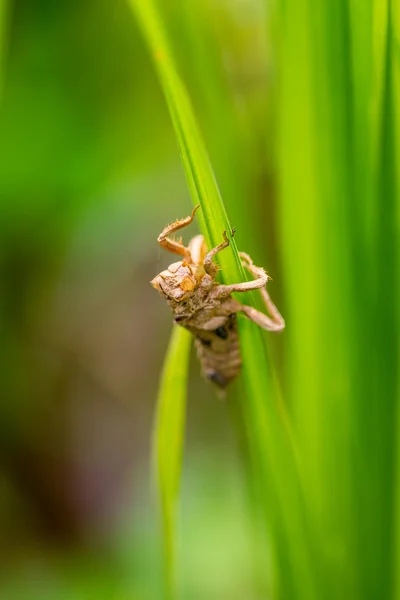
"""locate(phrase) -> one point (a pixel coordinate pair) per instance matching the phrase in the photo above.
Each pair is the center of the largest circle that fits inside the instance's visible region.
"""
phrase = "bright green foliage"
(3, 29)
(214, 220)
(269, 446)
(168, 438)
(322, 450)
(200, 177)
(338, 159)
(302, 128)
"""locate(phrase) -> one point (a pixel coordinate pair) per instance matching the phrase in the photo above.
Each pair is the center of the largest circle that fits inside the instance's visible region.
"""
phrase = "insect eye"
(221, 332)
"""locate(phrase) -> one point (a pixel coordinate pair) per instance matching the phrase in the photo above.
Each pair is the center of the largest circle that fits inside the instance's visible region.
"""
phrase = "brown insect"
(205, 307)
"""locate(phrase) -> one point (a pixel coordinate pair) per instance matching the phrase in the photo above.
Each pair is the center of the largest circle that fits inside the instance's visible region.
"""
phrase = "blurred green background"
(298, 102)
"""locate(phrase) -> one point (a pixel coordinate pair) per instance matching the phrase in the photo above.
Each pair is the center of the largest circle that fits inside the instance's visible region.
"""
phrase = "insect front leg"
(174, 246)
(210, 267)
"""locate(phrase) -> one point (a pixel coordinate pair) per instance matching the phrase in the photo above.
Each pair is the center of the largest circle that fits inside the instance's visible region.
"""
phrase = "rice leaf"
(168, 439)
(270, 446)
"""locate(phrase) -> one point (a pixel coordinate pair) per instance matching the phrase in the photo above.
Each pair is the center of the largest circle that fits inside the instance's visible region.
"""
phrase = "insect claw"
(233, 232)
(194, 210)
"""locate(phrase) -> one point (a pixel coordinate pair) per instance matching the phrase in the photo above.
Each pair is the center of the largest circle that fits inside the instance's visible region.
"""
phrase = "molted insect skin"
(205, 307)
(219, 352)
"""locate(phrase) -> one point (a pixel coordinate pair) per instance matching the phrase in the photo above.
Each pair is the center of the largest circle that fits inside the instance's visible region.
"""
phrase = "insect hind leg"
(273, 322)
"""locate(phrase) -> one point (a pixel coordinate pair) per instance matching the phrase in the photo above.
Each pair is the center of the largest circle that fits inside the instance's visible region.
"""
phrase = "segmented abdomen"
(219, 352)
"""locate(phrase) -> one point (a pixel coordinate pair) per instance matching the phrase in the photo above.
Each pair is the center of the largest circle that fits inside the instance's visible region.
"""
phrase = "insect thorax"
(196, 306)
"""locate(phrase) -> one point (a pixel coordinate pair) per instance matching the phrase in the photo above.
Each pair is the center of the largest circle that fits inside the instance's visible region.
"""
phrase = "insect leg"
(275, 321)
(247, 286)
(174, 246)
(209, 267)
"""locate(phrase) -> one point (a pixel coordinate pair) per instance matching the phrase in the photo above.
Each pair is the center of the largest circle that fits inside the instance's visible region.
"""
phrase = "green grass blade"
(269, 444)
(4, 18)
(198, 171)
(396, 103)
(214, 221)
(168, 441)
(338, 209)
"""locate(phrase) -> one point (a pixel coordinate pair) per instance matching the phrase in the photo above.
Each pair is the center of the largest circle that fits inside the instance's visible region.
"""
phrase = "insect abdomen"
(219, 353)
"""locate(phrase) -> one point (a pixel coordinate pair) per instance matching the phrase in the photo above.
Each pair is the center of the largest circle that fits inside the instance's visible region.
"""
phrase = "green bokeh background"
(298, 104)
(89, 174)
